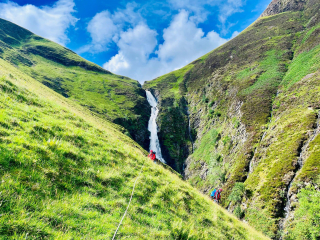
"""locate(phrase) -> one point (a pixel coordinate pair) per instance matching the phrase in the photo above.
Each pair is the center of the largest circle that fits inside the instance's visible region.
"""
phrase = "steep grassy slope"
(68, 174)
(113, 97)
(253, 106)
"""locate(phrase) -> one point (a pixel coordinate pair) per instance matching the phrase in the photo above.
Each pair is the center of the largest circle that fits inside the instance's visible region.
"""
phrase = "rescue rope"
(125, 213)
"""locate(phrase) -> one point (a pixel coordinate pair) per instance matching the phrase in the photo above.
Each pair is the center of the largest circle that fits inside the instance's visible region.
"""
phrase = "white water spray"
(153, 128)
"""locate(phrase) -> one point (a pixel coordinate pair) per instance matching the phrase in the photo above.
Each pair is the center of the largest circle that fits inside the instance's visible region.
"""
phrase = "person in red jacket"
(217, 196)
(152, 156)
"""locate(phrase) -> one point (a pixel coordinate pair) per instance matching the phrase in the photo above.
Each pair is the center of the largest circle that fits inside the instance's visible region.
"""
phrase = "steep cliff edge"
(252, 105)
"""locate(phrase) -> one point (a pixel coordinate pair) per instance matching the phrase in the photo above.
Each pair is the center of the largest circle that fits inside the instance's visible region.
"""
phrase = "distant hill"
(248, 112)
(116, 98)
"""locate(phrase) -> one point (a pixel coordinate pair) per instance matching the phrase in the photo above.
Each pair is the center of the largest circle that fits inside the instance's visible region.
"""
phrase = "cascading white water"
(153, 128)
(189, 129)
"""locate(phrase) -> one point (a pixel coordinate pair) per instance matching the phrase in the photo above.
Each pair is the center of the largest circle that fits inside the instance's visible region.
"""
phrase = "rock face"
(279, 6)
(251, 105)
(173, 130)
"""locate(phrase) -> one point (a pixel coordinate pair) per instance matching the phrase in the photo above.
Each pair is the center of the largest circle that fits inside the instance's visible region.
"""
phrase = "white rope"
(125, 213)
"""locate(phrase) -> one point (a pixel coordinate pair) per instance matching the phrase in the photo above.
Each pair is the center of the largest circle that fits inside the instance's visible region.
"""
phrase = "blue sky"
(140, 39)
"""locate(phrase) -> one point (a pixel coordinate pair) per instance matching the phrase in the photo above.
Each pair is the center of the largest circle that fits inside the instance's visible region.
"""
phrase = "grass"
(308, 34)
(116, 98)
(270, 72)
(272, 55)
(294, 115)
(67, 174)
(306, 224)
(208, 143)
(311, 167)
(173, 82)
(304, 64)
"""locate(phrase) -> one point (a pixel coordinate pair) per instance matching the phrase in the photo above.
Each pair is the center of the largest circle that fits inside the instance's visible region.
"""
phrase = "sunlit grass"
(67, 174)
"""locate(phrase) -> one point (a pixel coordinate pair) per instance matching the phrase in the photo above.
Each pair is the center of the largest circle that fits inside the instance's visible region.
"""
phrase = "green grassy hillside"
(253, 106)
(116, 98)
(68, 174)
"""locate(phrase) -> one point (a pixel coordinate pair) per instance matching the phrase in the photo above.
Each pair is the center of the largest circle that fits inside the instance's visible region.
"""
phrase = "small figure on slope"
(152, 156)
(216, 195)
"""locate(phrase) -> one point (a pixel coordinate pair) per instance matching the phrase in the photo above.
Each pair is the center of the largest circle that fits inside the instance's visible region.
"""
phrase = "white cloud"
(139, 57)
(102, 30)
(105, 27)
(49, 22)
(198, 8)
(234, 34)
(226, 8)
(183, 43)
(135, 47)
(129, 15)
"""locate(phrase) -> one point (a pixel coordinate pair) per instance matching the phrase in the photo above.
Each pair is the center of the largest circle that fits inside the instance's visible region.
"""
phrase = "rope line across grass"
(125, 213)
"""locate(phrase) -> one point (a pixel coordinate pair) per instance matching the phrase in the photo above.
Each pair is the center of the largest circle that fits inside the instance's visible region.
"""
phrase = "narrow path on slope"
(125, 213)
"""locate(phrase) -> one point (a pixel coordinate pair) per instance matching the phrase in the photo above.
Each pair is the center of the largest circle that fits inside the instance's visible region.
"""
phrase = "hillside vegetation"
(65, 173)
(253, 110)
(116, 98)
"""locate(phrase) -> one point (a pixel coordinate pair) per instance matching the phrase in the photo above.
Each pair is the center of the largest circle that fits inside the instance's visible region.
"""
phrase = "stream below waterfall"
(153, 128)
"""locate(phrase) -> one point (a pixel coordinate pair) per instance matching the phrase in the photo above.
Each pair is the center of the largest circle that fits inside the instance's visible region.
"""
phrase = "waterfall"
(153, 128)
(189, 129)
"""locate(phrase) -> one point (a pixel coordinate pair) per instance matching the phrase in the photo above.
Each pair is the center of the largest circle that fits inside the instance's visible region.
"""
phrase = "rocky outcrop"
(279, 6)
